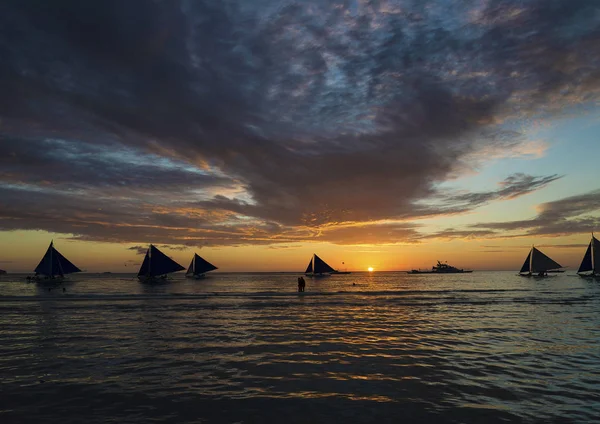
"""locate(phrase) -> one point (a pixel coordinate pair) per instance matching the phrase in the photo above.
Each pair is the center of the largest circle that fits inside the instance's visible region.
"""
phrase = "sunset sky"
(388, 134)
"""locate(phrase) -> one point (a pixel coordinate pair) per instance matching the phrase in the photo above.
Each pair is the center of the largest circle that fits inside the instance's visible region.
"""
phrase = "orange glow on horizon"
(20, 251)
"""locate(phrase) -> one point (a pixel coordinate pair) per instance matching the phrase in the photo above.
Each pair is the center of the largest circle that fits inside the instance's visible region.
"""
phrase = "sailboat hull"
(160, 279)
(49, 281)
(196, 276)
(318, 275)
(538, 276)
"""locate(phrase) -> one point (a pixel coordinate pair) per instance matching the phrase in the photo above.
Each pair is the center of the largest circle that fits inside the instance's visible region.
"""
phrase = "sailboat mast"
(592, 250)
(149, 272)
(531, 260)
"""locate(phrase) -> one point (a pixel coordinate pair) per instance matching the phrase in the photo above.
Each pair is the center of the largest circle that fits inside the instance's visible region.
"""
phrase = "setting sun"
(370, 269)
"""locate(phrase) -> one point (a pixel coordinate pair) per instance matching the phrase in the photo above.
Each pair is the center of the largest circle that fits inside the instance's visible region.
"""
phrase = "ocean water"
(247, 348)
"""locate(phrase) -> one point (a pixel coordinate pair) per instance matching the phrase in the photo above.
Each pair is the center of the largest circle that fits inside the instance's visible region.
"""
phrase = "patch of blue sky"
(45, 189)
(573, 151)
(135, 157)
(73, 150)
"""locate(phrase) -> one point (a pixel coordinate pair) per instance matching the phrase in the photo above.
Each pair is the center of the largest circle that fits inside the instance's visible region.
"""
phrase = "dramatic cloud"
(571, 215)
(207, 122)
(513, 186)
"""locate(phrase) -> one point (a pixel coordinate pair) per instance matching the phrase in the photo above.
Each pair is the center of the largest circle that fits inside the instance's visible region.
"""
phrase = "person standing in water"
(301, 284)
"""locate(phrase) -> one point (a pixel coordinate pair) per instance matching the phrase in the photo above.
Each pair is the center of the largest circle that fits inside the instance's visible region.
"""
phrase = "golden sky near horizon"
(20, 251)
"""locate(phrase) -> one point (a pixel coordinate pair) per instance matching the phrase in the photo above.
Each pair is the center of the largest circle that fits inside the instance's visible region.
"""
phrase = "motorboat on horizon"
(441, 268)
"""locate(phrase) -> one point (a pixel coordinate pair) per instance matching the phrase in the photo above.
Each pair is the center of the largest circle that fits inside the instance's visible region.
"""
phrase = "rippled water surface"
(246, 348)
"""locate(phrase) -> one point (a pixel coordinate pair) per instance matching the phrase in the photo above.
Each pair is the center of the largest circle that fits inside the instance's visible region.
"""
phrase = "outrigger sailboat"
(199, 267)
(156, 266)
(590, 264)
(317, 267)
(538, 265)
(53, 267)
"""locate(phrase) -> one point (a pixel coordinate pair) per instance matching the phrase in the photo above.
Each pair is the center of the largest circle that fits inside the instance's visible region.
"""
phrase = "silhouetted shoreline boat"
(156, 266)
(53, 267)
(538, 264)
(590, 264)
(317, 267)
(199, 267)
(441, 268)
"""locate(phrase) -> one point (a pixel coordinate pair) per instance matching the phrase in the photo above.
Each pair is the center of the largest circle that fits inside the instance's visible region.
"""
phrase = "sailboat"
(156, 266)
(539, 265)
(199, 267)
(317, 267)
(590, 264)
(53, 267)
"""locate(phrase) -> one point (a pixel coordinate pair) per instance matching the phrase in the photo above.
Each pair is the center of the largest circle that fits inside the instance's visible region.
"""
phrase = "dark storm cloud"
(570, 215)
(321, 112)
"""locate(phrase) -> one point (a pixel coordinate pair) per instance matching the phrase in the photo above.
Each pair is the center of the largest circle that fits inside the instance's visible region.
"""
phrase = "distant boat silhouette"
(441, 268)
(53, 266)
(156, 266)
(538, 265)
(590, 264)
(2, 272)
(317, 267)
(199, 267)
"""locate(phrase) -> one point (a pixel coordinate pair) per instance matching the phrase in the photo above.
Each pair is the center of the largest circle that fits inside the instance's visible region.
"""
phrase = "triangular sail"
(526, 267)
(145, 264)
(586, 263)
(161, 264)
(199, 265)
(66, 266)
(190, 269)
(320, 266)
(157, 263)
(53, 263)
(309, 268)
(541, 262)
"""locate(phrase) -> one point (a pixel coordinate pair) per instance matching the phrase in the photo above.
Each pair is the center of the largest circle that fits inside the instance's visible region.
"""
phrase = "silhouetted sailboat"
(590, 264)
(199, 267)
(53, 266)
(539, 265)
(156, 266)
(317, 267)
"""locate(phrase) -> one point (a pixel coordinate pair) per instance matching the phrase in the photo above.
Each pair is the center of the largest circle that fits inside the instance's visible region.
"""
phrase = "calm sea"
(247, 348)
